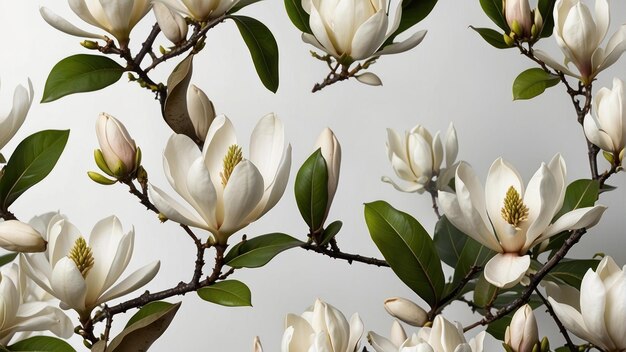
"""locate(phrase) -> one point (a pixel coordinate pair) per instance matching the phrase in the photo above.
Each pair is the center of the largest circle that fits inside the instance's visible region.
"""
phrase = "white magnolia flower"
(353, 30)
(117, 146)
(509, 219)
(322, 328)
(117, 17)
(406, 310)
(9, 124)
(607, 129)
(172, 24)
(17, 236)
(443, 336)
(81, 275)
(579, 36)
(226, 191)
(596, 313)
(523, 21)
(416, 158)
(201, 10)
(522, 335)
(201, 111)
(21, 313)
(331, 152)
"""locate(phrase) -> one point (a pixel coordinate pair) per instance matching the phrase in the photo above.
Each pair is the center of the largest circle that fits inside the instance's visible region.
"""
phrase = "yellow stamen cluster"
(514, 210)
(233, 157)
(81, 255)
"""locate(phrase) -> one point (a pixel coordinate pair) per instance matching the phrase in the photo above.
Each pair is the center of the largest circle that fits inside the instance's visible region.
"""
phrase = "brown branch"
(450, 297)
(562, 329)
(7, 215)
(142, 196)
(345, 256)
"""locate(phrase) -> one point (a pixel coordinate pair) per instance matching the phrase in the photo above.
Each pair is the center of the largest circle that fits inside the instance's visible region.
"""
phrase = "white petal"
(202, 192)
(319, 31)
(63, 25)
(134, 281)
(68, 284)
(552, 63)
(118, 14)
(369, 36)
(614, 49)
(596, 135)
(410, 188)
(502, 176)
(451, 146)
(572, 320)
(381, 344)
(369, 78)
(405, 45)
(593, 307)
(506, 270)
(574, 220)
(180, 153)
(300, 336)
(310, 39)
(267, 145)
(173, 210)
(220, 137)
(356, 331)
(541, 198)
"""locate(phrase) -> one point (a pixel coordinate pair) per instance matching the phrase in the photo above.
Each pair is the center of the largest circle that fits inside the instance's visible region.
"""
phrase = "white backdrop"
(452, 76)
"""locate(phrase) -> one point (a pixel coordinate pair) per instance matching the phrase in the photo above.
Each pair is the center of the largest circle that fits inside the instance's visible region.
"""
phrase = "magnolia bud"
(257, 345)
(519, 17)
(201, 111)
(17, 236)
(331, 151)
(173, 25)
(398, 335)
(121, 155)
(522, 335)
(406, 310)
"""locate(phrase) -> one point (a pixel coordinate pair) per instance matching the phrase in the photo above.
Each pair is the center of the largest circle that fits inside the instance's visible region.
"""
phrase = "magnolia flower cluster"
(9, 124)
(509, 218)
(606, 127)
(81, 274)
(579, 37)
(352, 30)
(226, 191)
(416, 158)
(597, 312)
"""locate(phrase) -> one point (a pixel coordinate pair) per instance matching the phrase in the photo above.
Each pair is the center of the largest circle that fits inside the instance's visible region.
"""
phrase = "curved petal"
(39, 316)
(574, 220)
(369, 36)
(118, 15)
(267, 146)
(506, 270)
(614, 49)
(178, 156)
(274, 191)
(220, 137)
(596, 135)
(174, 211)
(542, 198)
(319, 31)
(81, 9)
(69, 285)
(381, 344)
(501, 177)
(310, 39)
(356, 331)
(552, 63)
(62, 235)
(572, 320)
(298, 334)
(65, 26)
(202, 192)
(134, 281)
(410, 188)
(409, 43)
(593, 307)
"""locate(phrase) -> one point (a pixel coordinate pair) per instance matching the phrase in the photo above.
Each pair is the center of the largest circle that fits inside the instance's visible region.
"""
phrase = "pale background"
(452, 76)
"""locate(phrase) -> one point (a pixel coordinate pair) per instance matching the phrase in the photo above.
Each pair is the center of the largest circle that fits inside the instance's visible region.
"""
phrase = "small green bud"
(162, 218)
(533, 31)
(137, 158)
(90, 44)
(507, 348)
(536, 348)
(517, 29)
(508, 40)
(545, 344)
(162, 50)
(609, 157)
(142, 176)
(96, 177)
(131, 77)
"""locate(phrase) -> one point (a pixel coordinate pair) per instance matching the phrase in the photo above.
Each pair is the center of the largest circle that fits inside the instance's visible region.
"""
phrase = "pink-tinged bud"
(173, 25)
(406, 310)
(519, 17)
(118, 148)
(17, 236)
(331, 151)
(522, 335)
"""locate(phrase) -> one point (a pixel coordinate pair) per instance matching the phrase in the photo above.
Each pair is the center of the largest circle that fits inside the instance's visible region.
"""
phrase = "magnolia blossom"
(416, 158)
(17, 236)
(201, 111)
(353, 30)
(579, 36)
(172, 24)
(331, 152)
(201, 10)
(117, 17)
(596, 313)
(523, 21)
(21, 313)
(83, 275)
(509, 219)
(607, 129)
(443, 336)
(116, 145)
(226, 191)
(522, 334)
(9, 124)
(406, 310)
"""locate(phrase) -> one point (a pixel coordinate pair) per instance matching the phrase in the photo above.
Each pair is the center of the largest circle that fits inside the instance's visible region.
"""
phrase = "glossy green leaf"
(413, 12)
(80, 73)
(31, 162)
(579, 194)
(408, 249)
(241, 4)
(484, 292)
(532, 83)
(449, 241)
(493, 9)
(311, 190)
(41, 344)
(7, 258)
(258, 251)
(546, 9)
(2, 159)
(230, 293)
(149, 309)
(473, 254)
(175, 110)
(495, 38)
(142, 333)
(498, 327)
(330, 232)
(572, 271)
(297, 15)
(263, 48)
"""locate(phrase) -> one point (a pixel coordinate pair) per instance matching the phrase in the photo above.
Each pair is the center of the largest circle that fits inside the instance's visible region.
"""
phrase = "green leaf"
(532, 83)
(80, 73)
(7, 258)
(571, 271)
(311, 190)
(230, 293)
(449, 241)
(258, 251)
(408, 249)
(413, 12)
(2, 159)
(140, 335)
(31, 162)
(495, 38)
(147, 310)
(263, 48)
(579, 194)
(546, 9)
(493, 9)
(241, 4)
(330, 232)
(484, 292)
(473, 254)
(498, 327)
(41, 344)
(297, 15)
(175, 110)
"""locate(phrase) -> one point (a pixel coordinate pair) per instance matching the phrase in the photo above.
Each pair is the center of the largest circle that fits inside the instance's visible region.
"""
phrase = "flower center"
(81, 255)
(233, 157)
(514, 210)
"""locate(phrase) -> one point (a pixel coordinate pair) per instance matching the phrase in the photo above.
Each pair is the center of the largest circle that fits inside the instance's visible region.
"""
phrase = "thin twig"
(450, 297)
(345, 256)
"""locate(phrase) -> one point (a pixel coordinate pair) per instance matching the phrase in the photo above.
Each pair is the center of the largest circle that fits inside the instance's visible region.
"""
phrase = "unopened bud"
(522, 334)
(201, 111)
(398, 335)
(162, 217)
(331, 152)
(406, 311)
(257, 345)
(173, 25)
(17, 236)
(90, 44)
(545, 344)
(117, 149)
